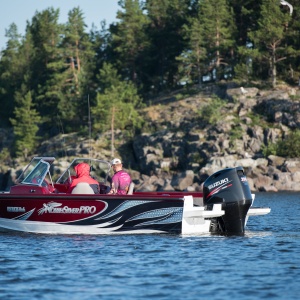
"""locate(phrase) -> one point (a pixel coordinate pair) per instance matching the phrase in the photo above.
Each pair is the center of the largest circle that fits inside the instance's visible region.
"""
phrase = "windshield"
(33, 163)
(99, 170)
(37, 174)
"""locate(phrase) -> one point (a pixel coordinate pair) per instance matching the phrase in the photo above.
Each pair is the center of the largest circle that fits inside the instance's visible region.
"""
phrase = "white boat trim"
(56, 228)
(258, 211)
(196, 219)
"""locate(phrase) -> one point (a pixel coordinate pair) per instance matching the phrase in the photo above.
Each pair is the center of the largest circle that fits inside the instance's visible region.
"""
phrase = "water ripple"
(264, 264)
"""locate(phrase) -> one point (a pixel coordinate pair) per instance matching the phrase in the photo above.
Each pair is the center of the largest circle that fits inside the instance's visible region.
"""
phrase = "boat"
(38, 204)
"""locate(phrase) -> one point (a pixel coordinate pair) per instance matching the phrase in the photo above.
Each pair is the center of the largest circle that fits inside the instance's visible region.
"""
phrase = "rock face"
(185, 144)
(182, 146)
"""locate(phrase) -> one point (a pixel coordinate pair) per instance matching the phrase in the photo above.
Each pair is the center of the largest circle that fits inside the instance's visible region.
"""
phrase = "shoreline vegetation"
(177, 89)
(185, 139)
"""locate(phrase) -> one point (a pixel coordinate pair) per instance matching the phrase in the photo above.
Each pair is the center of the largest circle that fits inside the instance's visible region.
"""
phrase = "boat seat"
(131, 188)
(82, 188)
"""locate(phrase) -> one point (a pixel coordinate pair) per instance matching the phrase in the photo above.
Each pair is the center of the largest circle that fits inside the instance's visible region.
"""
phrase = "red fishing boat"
(37, 204)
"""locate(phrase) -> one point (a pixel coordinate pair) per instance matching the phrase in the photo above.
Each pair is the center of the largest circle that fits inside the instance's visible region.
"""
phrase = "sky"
(20, 11)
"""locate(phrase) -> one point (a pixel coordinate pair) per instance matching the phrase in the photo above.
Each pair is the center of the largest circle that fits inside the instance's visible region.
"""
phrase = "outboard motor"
(230, 188)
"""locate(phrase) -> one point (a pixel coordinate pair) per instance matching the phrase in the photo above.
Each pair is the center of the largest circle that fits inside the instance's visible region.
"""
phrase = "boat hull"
(91, 214)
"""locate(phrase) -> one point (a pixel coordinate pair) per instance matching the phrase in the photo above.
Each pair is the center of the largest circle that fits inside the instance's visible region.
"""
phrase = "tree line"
(55, 75)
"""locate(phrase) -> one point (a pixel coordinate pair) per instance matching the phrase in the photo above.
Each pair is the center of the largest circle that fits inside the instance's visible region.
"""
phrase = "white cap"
(115, 161)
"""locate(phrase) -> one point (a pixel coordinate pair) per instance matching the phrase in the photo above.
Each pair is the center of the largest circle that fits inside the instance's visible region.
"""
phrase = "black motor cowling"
(228, 187)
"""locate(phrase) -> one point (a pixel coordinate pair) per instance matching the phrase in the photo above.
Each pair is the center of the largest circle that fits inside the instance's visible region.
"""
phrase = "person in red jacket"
(83, 175)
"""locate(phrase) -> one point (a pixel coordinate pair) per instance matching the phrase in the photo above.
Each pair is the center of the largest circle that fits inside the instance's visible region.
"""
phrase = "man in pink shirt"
(121, 180)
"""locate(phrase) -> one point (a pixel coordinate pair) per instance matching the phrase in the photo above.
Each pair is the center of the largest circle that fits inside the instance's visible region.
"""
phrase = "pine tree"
(167, 18)
(219, 33)
(288, 69)
(78, 56)
(11, 74)
(47, 66)
(193, 58)
(25, 124)
(269, 38)
(129, 38)
(246, 14)
(117, 104)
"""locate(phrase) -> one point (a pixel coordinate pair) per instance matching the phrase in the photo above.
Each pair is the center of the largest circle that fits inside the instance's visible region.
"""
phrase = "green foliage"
(211, 112)
(11, 74)
(218, 32)
(179, 96)
(269, 37)
(25, 125)
(236, 133)
(192, 59)
(188, 91)
(257, 120)
(197, 158)
(270, 149)
(288, 147)
(47, 64)
(242, 72)
(117, 103)
(4, 154)
(129, 38)
(166, 43)
(156, 45)
(295, 97)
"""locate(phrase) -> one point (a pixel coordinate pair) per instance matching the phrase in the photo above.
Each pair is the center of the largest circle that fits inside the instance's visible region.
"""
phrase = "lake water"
(264, 264)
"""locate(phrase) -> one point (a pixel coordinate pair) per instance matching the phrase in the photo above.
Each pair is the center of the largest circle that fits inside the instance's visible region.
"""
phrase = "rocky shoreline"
(180, 149)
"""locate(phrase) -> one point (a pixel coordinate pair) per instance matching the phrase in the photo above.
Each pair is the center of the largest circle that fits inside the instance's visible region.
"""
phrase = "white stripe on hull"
(55, 228)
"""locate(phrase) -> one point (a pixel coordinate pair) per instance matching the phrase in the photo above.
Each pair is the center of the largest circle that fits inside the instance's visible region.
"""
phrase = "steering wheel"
(69, 180)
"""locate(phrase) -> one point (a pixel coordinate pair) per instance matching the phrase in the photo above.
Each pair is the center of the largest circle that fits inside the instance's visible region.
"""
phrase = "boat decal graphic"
(25, 216)
(54, 208)
(222, 187)
(15, 209)
(122, 207)
(109, 223)
(174, 217)
(109, 230)
(217, 183)
(244, 179)
(155, 213)
(89, 217)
